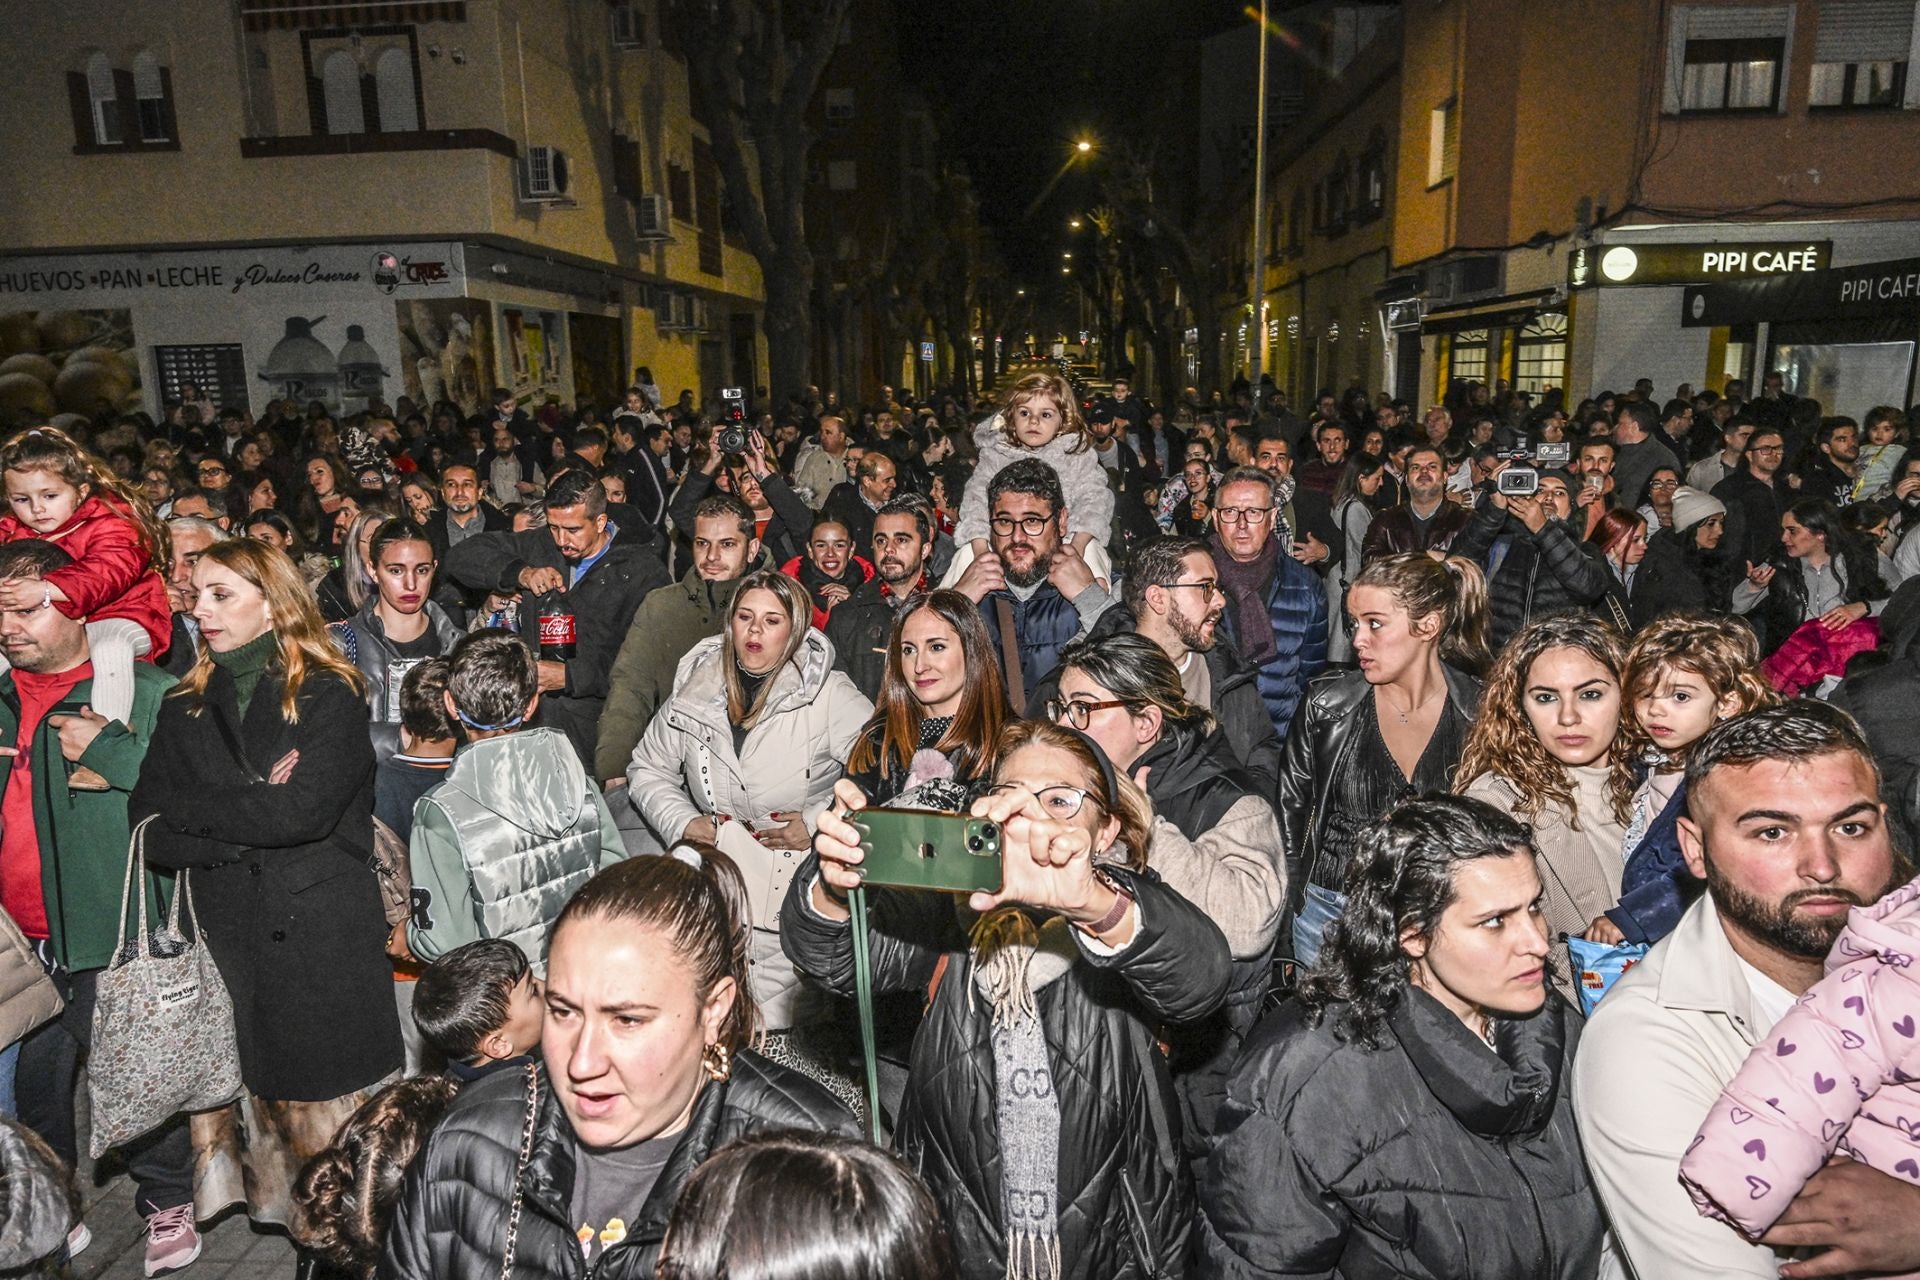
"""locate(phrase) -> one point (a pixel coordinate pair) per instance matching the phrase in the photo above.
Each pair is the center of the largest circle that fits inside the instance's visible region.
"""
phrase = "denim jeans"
(9, 1062)
(1316, 913)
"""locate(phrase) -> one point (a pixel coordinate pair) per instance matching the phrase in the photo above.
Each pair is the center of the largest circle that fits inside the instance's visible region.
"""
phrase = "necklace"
(1406, 716)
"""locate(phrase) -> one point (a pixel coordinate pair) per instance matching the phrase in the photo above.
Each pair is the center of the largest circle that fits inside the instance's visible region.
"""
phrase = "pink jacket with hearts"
(1841, 1073)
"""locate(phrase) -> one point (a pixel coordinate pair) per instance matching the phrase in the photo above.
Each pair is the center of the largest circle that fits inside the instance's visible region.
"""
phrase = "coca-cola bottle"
(558, 636)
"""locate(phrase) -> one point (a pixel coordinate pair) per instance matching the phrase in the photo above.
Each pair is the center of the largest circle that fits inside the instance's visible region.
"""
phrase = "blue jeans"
(1309, 927)
(9, 1062)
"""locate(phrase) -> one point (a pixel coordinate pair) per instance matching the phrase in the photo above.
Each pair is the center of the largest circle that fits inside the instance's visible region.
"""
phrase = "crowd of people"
(1470, 842)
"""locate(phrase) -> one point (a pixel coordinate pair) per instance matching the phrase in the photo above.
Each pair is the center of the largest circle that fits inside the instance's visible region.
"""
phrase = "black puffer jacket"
(1427, 1157)
(451, 1222)
(1551, 571)
(1124, 1189)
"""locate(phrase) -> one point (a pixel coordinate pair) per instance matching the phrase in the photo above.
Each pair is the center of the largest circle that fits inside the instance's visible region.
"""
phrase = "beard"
(1031, 576)
(1193, 634)
(1777, 923)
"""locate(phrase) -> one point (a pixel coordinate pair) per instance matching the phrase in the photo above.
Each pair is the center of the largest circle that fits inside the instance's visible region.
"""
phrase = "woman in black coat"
(260, 779)
(1410, 1115)
(1645, 578)
(1039, 1108)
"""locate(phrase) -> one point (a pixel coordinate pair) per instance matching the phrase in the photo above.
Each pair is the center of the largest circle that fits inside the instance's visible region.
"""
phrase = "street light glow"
(1066, 271)
(1074, 223)
(1067, 256)
(1083, 146)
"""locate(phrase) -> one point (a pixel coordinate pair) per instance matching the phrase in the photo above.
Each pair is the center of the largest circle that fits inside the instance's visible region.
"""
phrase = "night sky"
(1015, 82)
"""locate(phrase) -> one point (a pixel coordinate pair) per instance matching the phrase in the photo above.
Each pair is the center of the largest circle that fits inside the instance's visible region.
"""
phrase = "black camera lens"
(975, 843)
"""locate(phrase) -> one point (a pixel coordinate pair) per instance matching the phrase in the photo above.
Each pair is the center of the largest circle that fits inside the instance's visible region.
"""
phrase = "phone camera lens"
(975, 843)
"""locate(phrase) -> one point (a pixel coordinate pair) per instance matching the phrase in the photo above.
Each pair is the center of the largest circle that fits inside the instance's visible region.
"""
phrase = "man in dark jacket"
(1030, 582)
(1886, 702)
(1833, 462)
(861, 626)
(582, 579)
(1277, 607)
(854, 502)
(465, 513)
(1428, 520)
(1756, 499)
(62, 861)
(1545, 567)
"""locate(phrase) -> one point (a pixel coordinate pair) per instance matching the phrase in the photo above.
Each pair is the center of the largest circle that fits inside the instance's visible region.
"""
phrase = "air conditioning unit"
(653, 218)
(547, 175)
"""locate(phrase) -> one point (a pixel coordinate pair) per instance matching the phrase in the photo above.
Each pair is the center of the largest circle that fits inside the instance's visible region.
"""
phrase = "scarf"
(1245, 585)
(1013, 957)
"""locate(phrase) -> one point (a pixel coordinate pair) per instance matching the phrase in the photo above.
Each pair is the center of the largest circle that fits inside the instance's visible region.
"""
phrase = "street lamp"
(1083, 146)
(1067, 256)
(1074, 223)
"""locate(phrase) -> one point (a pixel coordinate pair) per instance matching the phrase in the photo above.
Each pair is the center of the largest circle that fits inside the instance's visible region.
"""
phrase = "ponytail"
(1463, 640)
(1454, 589)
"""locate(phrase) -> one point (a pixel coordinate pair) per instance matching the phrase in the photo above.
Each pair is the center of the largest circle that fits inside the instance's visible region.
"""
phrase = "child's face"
(42, 500)
(526, 1016)
(1880, 433)
(1680, 709)
(1036, 422)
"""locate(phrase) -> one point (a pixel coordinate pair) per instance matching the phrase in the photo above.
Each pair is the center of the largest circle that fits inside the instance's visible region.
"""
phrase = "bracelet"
(1122, 903)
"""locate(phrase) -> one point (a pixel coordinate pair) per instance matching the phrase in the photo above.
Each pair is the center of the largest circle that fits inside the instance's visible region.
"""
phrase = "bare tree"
(755, 67)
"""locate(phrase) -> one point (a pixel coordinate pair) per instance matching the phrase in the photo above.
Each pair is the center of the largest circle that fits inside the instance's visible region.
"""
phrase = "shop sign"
(1838, 293)
(408, 270)
(1404, 314)
(1594, 266)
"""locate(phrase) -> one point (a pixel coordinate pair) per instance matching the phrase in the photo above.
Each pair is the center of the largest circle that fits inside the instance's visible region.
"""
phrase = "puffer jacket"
(1547, 572)
(112, 574)
(503, 841)
(1429, 1157)
(686, 767)
(1216, 843)
(1316, 752)
(1297, 606)
(1126, 1207)
(451, 1221)
(363, 638)
(1043, 624)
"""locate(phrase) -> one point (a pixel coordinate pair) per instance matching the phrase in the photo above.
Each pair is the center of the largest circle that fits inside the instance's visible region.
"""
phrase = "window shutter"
(126, 102)
(1719, 22)
(626, 167)
(1864, 31)
(166, 105)
(82, 104)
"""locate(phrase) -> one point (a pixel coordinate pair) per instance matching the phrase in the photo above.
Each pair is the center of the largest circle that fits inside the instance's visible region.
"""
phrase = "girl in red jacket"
(59, 492)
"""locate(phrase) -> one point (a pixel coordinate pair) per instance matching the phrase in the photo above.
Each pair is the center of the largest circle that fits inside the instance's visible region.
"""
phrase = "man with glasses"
(213, 473)
(1034, 591)
(1276, 606)
(1756, 498)
(1426, 521)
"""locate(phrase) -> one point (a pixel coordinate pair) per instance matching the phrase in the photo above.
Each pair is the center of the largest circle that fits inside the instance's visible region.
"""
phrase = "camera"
(1521, 478)
(732, 438)
(1518, 481)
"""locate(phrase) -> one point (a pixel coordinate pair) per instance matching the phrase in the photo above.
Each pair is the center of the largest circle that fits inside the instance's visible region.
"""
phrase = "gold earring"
(717, 1061)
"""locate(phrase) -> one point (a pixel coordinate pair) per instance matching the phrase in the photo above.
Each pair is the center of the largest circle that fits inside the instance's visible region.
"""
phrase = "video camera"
(1521, 476)
(732, 438)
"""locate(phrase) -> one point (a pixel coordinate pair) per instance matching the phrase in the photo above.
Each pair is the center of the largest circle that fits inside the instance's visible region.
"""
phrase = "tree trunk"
(789, 281)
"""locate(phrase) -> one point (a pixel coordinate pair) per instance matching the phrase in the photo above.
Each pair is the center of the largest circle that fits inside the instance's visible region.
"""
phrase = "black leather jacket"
(1316, 751)
(451, 1222)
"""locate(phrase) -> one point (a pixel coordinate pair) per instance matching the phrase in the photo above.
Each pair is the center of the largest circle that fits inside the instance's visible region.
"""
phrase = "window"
(1860, 58)
(1297, 223)
(105, 101)
(1371, 199)
(1339, 187)
(680, 191)
(393, 89)
(629, 26)
(219, 369)
(1469, 362)
(839, 108)
(1276, 232)
(340, 92)
(1540, 359)
(1443, 142)
(150, 98)
(1727, 57)
(842, 175)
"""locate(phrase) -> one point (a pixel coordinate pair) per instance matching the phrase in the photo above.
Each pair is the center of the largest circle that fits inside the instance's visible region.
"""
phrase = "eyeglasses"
(1206, 586)
(1664, 484)
(1242, 515)
(1077, 714)
(1766, 448)
(1032, 526)
(1059, 801)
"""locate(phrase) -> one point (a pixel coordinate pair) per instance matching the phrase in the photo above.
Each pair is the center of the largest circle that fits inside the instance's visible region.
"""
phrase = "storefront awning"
(288, 15)
(1488, 313)
(1871, 290)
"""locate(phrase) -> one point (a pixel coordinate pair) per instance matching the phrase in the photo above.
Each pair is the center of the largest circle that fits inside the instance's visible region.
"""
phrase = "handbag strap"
(137, 857)
(520, 1169)
(1010, 653)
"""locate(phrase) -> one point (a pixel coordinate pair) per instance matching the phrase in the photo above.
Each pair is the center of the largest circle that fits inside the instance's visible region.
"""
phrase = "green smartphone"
(927, 849)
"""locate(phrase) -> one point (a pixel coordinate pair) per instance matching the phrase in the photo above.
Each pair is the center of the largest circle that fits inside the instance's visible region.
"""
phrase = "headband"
(1100, 756)
(477, 727)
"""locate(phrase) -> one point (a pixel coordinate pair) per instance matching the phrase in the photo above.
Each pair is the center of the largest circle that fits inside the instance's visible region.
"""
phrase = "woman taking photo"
(1547, 750)
(942, 695)
(1043, 1172)
(1353, 499)
(260, 778)
(1214, 838)
(745, 751)
(1423, 1058)
(1656, 501)
(622, 1108)
(398, 627)
(1365, 740)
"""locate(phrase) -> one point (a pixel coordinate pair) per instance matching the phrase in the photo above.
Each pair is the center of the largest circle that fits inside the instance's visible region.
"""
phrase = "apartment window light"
(1443, 142)
(1861, 54)
(106, 104)
(1727, 58)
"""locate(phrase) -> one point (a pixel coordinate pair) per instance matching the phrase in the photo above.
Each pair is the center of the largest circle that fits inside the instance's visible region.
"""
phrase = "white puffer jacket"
(685, 768)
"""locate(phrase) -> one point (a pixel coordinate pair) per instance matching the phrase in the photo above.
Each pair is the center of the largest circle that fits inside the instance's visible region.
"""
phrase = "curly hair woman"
(1423, 1057)
(349, 1190)
(1547, 749)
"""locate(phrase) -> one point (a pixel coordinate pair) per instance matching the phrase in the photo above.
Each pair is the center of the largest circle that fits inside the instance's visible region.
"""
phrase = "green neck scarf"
(247, 664)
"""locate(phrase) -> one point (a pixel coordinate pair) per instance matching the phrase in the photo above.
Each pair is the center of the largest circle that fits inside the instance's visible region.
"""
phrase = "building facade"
(362, 200)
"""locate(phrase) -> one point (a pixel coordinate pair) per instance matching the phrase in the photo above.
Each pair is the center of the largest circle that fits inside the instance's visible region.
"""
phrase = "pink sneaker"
(172, 1240)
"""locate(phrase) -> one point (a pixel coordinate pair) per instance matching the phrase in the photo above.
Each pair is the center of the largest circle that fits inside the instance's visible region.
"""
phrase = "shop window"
(218, 368)
(395, 90)
(1723, 58)
(104, 100)
(1469, 356)
(1540, 357)
(1860, 57)
(1848, 366)
(1443, 142)
(340, 93)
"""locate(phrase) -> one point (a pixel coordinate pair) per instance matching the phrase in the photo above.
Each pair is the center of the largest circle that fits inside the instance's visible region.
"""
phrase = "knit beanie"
(1691, 506)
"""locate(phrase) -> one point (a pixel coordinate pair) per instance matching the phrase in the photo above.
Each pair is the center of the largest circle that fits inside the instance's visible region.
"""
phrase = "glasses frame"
(1081, 796)
(1021, 523)
(1057, 708)
(1243, 515)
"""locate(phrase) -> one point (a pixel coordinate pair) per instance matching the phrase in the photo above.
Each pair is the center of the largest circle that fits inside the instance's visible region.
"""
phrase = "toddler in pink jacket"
(1839, 1074)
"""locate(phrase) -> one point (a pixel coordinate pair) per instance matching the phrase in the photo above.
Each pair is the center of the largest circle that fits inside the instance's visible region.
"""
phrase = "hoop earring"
(717, 1061)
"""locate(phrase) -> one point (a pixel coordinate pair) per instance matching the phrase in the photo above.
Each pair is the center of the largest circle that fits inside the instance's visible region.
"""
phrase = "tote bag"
(163, 1039)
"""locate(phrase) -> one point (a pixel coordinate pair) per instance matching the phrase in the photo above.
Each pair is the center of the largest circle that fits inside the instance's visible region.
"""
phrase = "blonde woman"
(1548, 750)
(745, 752)
(260, 778)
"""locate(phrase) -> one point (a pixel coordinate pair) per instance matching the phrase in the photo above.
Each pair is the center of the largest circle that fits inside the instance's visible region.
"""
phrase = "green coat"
(84, 834)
